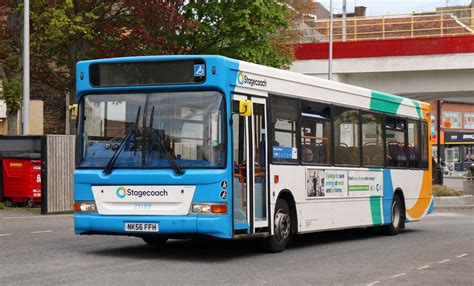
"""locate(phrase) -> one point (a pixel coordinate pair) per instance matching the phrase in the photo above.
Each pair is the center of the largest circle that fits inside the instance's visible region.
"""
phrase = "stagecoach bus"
(182, 146)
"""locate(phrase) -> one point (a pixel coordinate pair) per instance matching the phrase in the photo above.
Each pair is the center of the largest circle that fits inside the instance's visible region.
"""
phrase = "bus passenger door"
(250, 192)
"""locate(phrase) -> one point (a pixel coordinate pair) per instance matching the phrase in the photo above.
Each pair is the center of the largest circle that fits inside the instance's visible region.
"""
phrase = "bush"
(443, 191)
(2, 206)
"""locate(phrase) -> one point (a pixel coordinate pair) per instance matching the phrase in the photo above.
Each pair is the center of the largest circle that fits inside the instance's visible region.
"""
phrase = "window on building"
(315, 133)
(346, 136)
(413, 150)
(372, 139)
(284, 140)
(468, 120)
(395, 129)
(451, 119)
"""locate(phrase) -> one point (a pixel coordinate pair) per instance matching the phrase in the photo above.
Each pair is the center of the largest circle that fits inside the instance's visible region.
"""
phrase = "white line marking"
(373, 283)
(398, 275)
(443, 261)
(42, 231)
(5, 234)
(424, 267)
(462, 255)
(37, 216)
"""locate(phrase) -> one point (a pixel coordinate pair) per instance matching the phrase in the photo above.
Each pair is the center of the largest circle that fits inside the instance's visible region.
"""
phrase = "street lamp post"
(26, 68)
(330, 41)
(439, 169)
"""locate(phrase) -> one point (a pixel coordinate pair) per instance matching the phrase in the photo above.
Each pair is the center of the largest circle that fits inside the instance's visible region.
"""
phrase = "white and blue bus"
(179, 146)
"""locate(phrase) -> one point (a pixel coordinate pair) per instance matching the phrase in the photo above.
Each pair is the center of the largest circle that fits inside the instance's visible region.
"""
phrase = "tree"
(247, 30)
(10, 47)
(63, 32)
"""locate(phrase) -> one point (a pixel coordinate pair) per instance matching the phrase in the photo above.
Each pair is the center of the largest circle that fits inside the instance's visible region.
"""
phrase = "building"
(457, 134)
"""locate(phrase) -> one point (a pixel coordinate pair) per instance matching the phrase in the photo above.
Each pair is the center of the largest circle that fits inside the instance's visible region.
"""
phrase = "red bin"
(22, 180)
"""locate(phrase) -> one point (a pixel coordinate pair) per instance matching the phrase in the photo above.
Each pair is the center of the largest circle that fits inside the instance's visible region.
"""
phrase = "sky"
(384, 7)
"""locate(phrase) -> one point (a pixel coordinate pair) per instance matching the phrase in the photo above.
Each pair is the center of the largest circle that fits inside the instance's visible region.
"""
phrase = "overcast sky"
(383, 7)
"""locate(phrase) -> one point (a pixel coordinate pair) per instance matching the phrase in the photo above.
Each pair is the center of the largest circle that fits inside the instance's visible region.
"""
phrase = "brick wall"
(54, 107)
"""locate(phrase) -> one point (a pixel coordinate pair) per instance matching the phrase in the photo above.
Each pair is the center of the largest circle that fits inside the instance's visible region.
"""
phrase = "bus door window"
(259, 152)
(240, 165)
(316, 133)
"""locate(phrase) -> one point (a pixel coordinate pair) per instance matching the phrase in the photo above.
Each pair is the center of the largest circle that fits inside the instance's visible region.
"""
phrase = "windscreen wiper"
(131, 130)
(174, 165)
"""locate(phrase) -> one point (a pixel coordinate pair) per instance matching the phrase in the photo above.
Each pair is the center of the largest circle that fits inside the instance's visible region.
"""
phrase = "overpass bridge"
(420, 68)
(423, 56)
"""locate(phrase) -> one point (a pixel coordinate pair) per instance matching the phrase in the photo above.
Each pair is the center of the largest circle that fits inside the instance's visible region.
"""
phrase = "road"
(42, 250)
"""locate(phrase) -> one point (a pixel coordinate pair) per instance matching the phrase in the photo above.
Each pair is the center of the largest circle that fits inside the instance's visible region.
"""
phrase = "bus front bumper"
(212, 225)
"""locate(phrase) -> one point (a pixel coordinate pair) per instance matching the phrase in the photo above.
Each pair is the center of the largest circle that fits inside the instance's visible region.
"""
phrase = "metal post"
(26, 68)
(344, 20)
(439, 169)
(330, 41)
(68, 113)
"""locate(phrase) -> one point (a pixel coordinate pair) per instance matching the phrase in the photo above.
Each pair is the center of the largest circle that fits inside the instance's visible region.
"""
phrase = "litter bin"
(21, 181)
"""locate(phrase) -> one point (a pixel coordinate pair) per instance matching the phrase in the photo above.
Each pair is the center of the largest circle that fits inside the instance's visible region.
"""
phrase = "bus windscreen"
(147, 73)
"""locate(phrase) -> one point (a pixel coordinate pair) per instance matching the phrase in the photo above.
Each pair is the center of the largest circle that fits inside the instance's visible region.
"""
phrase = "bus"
(186, 146)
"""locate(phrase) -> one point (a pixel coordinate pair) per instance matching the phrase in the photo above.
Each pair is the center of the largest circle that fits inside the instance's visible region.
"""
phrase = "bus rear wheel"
(397, 217)
(155, 241)
(282, 228)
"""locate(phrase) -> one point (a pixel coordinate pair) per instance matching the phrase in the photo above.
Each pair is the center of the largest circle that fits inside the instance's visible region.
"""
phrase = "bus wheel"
(282, 228)
(397, 217)
(155, 241)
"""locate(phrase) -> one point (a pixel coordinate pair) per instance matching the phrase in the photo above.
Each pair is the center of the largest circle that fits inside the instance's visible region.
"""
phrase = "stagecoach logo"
(121, 192)
(243, 79)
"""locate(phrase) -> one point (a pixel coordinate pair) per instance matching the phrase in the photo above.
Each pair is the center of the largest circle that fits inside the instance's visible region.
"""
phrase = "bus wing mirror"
(73, 111)
(245, 107)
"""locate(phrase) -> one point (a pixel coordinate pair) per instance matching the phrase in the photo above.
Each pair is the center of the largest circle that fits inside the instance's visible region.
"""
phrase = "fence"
(58, 168)
(453, 22)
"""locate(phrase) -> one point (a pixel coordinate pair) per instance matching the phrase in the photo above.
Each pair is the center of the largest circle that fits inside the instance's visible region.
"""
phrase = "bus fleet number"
(143, 206)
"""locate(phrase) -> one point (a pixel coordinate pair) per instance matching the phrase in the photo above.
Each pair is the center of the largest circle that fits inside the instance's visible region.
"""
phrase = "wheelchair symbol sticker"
(223, 195)
(199, 70)
(224, 184)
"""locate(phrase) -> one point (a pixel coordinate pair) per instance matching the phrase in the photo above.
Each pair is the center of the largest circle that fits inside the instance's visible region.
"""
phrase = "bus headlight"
(85, 207)
(209, 208)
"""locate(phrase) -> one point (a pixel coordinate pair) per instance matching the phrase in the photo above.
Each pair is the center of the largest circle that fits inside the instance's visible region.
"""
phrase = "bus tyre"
(155, 241)
(397, 217)
(282, 228)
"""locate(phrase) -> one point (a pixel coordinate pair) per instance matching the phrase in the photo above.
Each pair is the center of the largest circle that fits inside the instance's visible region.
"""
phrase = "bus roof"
(245, 77)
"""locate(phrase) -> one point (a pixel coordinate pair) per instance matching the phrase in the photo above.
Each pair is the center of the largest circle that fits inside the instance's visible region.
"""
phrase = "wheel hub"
(282, 225)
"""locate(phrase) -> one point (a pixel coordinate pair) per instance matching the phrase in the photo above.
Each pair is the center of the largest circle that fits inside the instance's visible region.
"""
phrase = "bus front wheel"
(282, 228)
(155, 241)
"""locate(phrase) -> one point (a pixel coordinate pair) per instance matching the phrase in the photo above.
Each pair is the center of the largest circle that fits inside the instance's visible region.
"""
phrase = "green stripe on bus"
(359, 188)
(375, 169)
(418, 107)
(375, 210)
(385, 102)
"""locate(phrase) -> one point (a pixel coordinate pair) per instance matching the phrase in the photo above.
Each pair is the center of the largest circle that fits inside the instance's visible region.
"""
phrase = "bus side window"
(284, 116)
(346, 136)
(372, 139)
(316, 133)
(395, 142)
(424, 144)
(413, 144)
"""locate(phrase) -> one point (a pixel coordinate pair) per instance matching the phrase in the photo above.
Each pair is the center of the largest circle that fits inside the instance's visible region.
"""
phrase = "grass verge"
(443, 191)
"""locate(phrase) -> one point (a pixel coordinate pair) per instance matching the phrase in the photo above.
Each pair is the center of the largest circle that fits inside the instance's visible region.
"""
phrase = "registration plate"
(141, 227)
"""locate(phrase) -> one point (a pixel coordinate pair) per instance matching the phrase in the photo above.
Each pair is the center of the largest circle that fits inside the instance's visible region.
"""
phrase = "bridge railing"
(440, 23)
